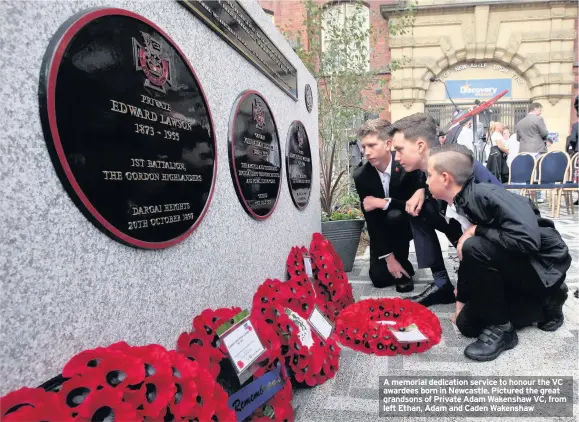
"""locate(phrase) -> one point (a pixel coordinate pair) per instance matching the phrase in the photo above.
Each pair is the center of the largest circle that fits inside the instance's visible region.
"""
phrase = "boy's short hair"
(417, 125)
(454, 159)
(380, 127)
(535, 106)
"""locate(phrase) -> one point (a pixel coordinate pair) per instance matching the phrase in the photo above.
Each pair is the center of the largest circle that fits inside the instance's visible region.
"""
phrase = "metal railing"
(508, 113)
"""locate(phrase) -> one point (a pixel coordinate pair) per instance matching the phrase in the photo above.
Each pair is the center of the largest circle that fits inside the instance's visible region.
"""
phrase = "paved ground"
(353, 394)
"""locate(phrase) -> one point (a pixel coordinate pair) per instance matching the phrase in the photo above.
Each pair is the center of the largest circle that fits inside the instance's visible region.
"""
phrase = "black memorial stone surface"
(128, 127)
(254, 155)
(299, 164)
(233, 24)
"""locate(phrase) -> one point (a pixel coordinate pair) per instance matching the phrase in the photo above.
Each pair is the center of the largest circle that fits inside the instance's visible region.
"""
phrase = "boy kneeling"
(511, 258)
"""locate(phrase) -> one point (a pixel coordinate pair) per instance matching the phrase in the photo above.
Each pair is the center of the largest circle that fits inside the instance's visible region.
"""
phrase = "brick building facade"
(530, 46)
(288, 15)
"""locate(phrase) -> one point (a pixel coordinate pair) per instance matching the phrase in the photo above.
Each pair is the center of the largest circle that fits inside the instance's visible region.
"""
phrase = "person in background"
(506, 133)
(497, 161)
(573, 139)
(466, 136)
(453, 134)
(488, 141)
(497, 137)
(479, 143)
(507, 251)
(532, 132)
(572, 147)
(512, 145)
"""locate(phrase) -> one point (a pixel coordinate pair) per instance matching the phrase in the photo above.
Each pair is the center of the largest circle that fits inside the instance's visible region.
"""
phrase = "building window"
(346, 37)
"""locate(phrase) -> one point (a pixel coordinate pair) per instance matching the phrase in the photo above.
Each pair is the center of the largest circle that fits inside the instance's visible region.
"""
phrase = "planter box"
(345, 236)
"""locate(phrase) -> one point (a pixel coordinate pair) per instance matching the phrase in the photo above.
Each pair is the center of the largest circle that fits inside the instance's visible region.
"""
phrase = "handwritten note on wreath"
(243, 345)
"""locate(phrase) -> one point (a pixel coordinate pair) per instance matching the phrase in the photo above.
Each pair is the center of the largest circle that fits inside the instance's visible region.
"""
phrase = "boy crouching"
(511, 259)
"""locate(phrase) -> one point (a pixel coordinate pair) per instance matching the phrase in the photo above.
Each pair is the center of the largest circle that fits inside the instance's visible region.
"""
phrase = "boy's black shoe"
(405, 285)
(553, 309)
(434, 295)
(493, 340)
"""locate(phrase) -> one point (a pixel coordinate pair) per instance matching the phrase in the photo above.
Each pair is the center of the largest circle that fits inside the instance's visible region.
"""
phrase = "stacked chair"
(552, 172)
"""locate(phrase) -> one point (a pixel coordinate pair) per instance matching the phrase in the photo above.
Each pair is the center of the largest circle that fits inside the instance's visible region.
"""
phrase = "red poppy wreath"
(332, 291)
(201, 344)
(123, 383)
(330, 277)
(368, 326)
(286, 307)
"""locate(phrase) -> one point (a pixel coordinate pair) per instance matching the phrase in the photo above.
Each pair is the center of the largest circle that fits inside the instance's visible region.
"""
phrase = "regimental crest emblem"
(309, 98)
(258, 114)
(149, 59)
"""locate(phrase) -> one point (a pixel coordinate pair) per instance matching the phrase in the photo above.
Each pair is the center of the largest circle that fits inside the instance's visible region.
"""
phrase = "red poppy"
(209, 320)
(206, 405)
(181, 367)
(88, 360)
(118, 370)
(107, 403)
(198, 396)
(320, 245)
(155, 357)
(201, 351)
(268, 293)
(295, 262)
(185, 399)
(222, 411)
(185, 373)
(271, 343)
(29, 404)
(152, 396)
(75, 391)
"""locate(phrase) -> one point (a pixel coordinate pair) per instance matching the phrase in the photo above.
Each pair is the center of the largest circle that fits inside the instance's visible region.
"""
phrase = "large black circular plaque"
(309, 98)
(299, 164)
(254, 155)
(128, 127)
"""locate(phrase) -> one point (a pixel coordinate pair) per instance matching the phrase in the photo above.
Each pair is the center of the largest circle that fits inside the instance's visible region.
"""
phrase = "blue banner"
(483, 89)
(245, 401)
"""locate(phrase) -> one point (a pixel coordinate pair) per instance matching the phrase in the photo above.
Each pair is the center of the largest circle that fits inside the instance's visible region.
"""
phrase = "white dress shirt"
(451, 213)
(466, 138)
(385, 178)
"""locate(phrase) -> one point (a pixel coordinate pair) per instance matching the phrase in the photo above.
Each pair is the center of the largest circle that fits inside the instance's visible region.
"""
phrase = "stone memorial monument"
(120, 219)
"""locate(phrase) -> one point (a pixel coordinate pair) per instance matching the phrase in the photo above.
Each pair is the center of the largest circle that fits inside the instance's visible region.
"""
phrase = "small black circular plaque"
(299, 164)
(128, 127)
(309, 98)
(254, 155)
